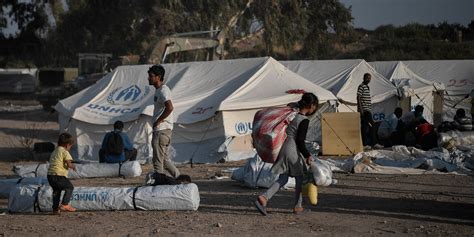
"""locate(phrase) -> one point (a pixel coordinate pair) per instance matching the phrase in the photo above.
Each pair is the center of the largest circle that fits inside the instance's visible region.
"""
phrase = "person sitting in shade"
(426, 135)
(411, 121)
(391, 129)
(116, 146)
(461, 121)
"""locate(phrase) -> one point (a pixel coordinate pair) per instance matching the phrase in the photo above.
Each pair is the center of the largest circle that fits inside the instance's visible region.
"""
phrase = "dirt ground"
(358, 205)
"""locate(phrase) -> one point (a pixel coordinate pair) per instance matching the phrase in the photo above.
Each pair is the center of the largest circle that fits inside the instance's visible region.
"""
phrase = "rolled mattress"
(6, 185)
(88, 170)
(38, 198)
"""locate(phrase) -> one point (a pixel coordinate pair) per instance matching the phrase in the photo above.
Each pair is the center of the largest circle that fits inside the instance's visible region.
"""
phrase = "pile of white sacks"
(454, 155)
(256, 173)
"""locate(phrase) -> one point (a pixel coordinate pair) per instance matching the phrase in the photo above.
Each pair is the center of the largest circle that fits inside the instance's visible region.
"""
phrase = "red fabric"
(269, 131)
(423, 130)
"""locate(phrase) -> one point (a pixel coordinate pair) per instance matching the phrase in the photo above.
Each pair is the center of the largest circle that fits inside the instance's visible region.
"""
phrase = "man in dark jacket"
(127, 150)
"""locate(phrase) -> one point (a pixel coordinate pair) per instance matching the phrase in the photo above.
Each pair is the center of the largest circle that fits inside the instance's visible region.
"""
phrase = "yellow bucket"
(311, 191)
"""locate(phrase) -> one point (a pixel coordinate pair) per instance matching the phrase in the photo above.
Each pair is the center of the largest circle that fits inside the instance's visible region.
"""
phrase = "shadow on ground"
(239, 200)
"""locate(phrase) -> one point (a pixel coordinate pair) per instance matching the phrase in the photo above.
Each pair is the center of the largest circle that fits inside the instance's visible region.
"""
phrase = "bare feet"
(298, 210)
(263, 200)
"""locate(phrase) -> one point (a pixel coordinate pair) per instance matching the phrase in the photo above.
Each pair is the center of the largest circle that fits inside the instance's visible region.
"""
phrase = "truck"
(185, 42)
(54, 85)
(92, 67)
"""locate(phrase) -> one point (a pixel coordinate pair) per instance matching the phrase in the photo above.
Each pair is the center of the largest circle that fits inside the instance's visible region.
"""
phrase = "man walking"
(162, 122)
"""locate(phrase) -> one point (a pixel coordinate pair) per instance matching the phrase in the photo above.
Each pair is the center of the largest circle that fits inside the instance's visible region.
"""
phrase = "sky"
(370, 14)
(12, 27)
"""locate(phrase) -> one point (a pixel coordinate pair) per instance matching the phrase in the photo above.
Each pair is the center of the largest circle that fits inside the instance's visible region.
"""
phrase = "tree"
(93, 26)
(25, 48)
(309, 22)
(291, 28)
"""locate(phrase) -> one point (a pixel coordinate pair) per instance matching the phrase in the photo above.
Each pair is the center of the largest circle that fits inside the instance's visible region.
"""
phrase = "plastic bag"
(322, 173)
(311, 191)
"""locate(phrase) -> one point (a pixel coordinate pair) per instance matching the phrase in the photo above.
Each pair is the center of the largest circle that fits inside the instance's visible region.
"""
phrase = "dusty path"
(359, 205)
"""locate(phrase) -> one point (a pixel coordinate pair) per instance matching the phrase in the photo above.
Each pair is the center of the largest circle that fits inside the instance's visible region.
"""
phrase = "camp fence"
(38, 198)
(87, 170)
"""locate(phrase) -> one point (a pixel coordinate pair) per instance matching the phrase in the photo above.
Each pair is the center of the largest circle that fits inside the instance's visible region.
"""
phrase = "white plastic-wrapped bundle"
(88, 170)
(458, 138)
(411, 160)
(256, 173)
(6, 185)
(37, 198)
(322, 173)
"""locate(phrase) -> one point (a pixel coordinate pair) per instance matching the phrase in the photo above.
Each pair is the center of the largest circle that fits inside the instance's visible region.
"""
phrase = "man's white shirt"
(162, 95)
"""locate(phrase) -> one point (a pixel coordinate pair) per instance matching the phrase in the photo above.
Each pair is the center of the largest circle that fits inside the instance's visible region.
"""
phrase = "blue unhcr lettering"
(243, 127)
(104, 108)
(378, 116)
(92, 106)
(116, 110)
(84, 197)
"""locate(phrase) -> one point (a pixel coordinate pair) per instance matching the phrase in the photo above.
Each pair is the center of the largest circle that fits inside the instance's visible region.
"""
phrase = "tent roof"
(342, 77)
(199, 89)
(402, 76)
(456, 75)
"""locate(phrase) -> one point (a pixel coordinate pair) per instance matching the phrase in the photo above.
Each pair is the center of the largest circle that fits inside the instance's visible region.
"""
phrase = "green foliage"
(99, 27)
(26, 48)
(288, 29)
(419, 42)
(309, 22)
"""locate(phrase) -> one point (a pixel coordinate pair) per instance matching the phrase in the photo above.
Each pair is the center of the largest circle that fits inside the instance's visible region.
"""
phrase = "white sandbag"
(87, 170)
(37, 198)
(322, 173)
(457, 138)
(6, 185)
(402, 159)
(469, 162)
(256, 173)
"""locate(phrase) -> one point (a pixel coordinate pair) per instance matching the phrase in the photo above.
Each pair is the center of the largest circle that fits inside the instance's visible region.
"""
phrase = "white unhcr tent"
(342, 77)
(419, 90)
(214, 106)
(456, 75)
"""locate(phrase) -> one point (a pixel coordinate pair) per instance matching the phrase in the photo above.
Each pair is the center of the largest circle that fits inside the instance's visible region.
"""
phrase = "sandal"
(260, 207)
